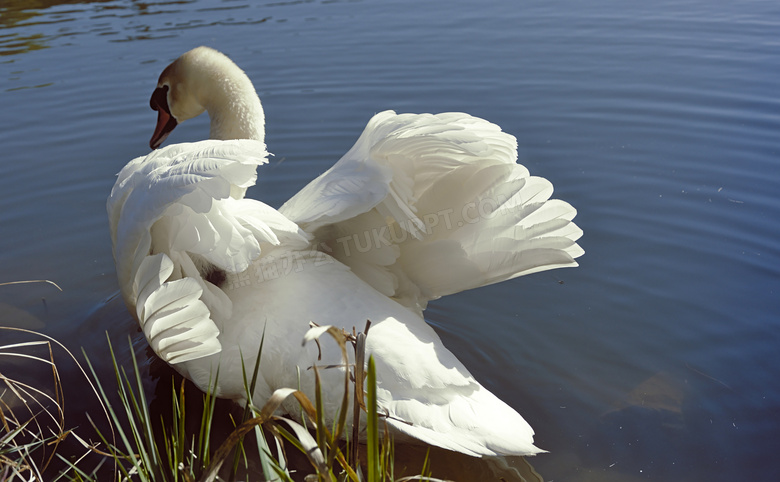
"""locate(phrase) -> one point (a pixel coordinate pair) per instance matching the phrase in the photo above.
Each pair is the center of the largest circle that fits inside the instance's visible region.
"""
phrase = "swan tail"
(476, 424)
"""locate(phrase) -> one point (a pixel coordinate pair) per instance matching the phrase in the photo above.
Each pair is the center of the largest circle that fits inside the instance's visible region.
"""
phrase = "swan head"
(204, 79)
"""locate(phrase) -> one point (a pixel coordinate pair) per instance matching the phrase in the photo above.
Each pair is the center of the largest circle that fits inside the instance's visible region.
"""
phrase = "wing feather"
(443, 195)
(176, 214)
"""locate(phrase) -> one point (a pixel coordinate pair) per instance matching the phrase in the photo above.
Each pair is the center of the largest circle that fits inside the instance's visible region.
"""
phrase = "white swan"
(422, 206)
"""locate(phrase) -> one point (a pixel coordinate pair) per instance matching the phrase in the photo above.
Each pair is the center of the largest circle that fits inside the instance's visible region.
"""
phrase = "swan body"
(422, 206)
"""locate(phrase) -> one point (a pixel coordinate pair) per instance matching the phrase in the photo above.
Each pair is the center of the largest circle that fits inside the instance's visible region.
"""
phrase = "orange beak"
(165, 120)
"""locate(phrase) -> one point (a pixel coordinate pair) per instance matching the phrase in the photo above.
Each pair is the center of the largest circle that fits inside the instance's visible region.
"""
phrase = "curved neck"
(234, 108)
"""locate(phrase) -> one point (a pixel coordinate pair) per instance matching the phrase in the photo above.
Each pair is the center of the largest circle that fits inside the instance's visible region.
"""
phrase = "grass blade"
(372, 424)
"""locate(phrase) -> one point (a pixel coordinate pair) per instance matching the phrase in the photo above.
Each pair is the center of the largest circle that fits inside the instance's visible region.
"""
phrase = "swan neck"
(234, 108)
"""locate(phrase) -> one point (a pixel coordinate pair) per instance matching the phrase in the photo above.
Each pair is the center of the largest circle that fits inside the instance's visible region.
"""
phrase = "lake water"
(657, 359)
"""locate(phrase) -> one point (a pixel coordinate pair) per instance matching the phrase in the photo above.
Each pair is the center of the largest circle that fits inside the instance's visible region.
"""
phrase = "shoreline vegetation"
(189, 441)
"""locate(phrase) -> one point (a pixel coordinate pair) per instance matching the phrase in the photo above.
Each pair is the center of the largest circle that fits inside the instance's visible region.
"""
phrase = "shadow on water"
(52, 19)
(26, 13)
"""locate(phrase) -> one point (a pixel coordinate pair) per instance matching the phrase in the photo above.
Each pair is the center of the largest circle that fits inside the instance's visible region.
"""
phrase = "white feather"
(421, 206)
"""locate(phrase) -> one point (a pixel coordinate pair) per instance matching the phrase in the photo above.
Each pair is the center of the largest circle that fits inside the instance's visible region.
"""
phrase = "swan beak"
(165, 120)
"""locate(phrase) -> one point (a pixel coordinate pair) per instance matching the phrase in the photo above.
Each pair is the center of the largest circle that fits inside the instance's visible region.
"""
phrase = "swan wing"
(178, 215)
(361, 180)
(427, 205)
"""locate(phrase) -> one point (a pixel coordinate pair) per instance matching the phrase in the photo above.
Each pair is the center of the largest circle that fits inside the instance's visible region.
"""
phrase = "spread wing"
(428, 205)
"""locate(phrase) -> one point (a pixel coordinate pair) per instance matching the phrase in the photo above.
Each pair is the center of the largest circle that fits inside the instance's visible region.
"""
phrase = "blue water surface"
(657, 359)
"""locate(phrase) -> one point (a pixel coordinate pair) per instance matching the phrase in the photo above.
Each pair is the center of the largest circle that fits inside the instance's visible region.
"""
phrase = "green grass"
(134, 448)
(32, 413)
